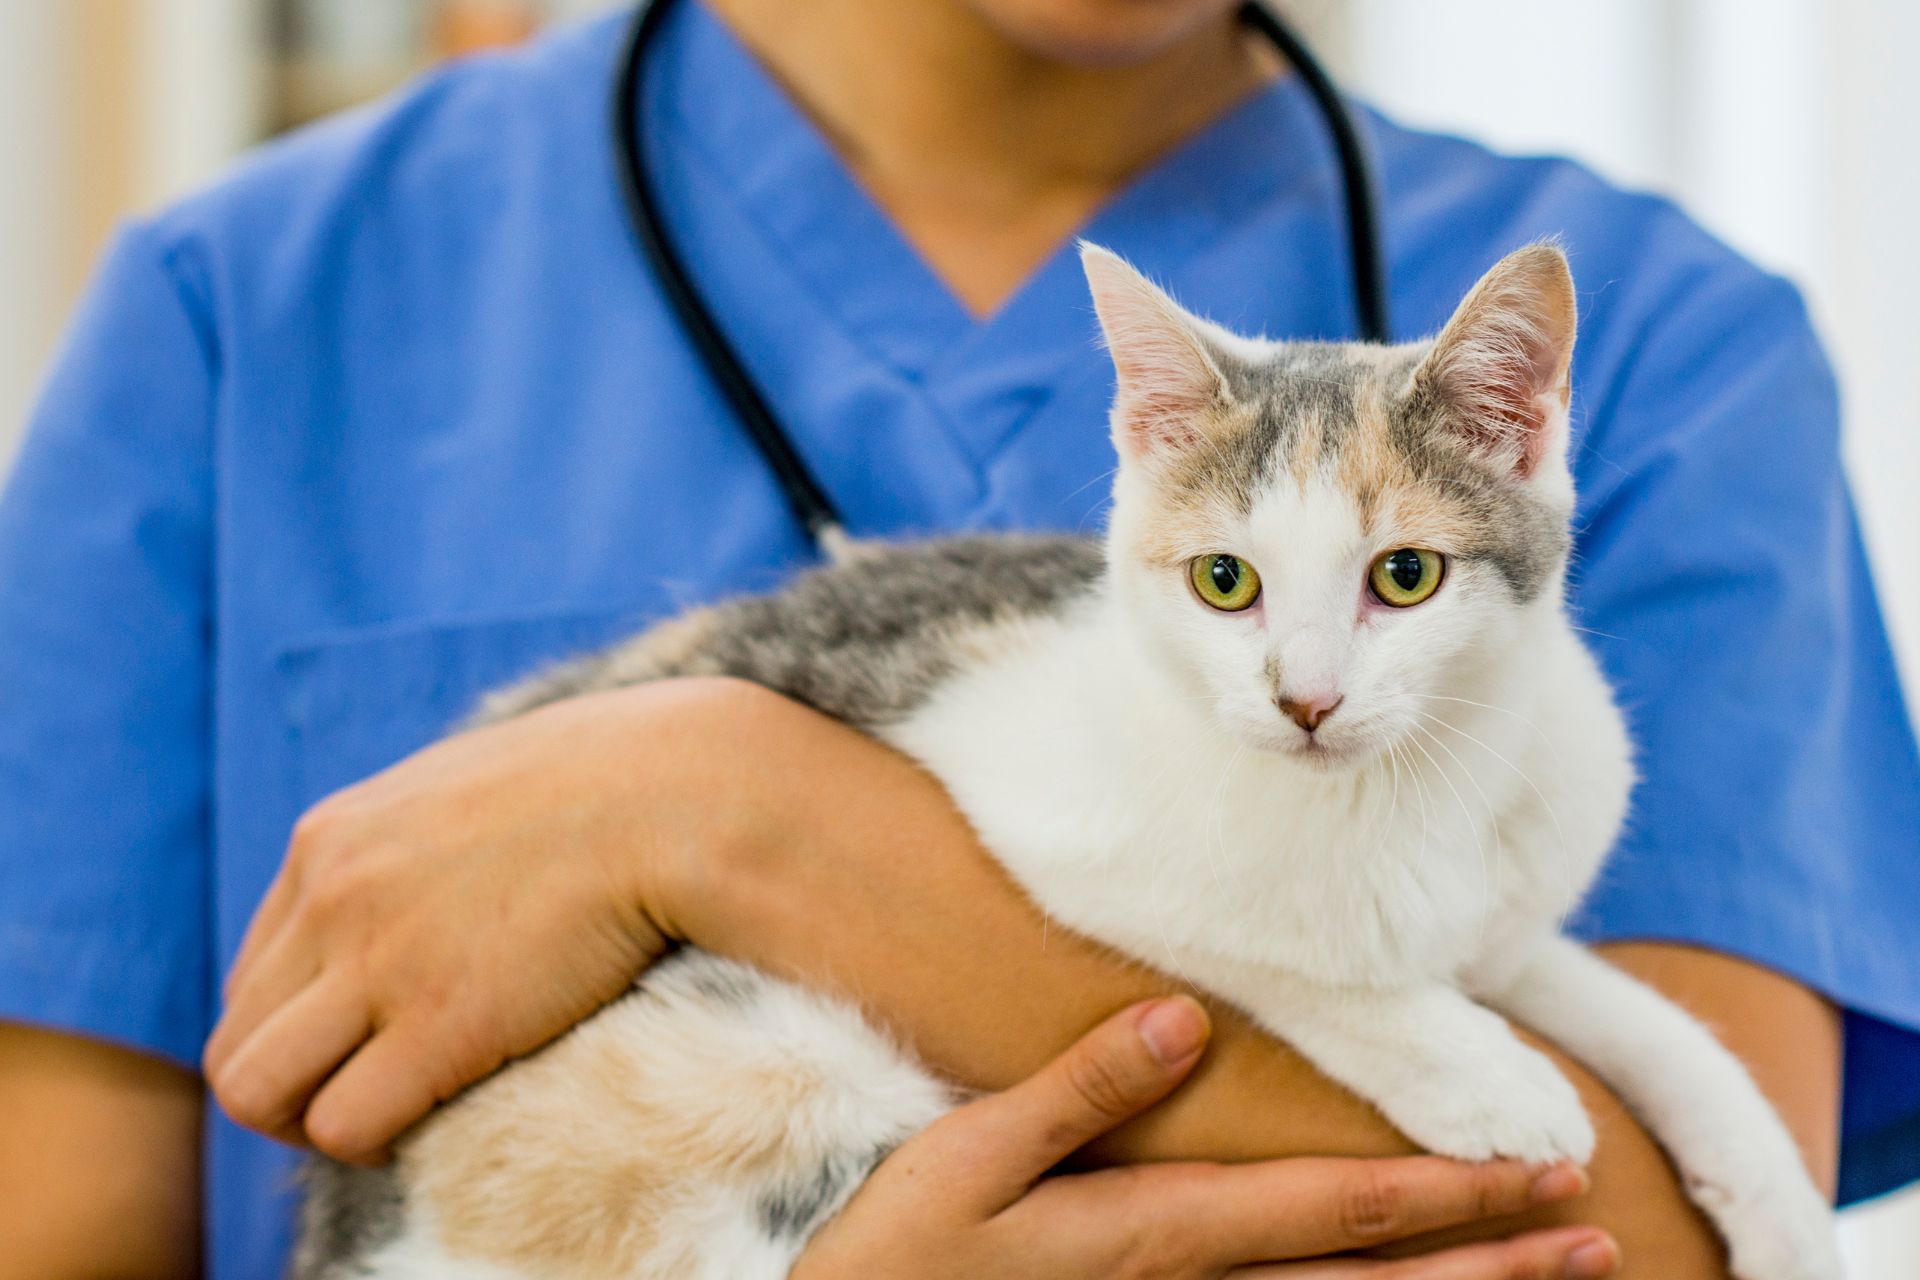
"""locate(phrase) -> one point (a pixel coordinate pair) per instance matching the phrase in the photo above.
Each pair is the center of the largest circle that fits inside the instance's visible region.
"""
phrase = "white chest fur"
(1130, 815)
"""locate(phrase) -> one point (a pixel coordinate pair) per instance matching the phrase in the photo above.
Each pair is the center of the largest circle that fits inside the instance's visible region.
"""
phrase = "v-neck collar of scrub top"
(714, 107)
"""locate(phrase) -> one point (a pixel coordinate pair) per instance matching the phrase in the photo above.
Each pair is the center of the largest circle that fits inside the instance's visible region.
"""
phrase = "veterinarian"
(399, 411)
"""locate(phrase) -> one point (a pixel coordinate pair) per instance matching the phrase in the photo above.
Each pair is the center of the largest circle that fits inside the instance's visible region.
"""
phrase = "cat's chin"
(1322, 753)
(1327, 756)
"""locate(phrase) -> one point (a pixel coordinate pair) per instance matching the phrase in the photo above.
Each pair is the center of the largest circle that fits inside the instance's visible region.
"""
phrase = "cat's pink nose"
(1310, 712)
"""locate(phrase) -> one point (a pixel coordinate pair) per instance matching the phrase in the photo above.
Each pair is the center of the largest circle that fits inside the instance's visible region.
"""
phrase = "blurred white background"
(1788, 126)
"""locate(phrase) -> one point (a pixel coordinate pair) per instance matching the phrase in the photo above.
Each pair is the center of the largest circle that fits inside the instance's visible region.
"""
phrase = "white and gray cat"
(1310, 730)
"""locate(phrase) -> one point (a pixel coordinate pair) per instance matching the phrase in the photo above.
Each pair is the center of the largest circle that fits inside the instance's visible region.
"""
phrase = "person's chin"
(1097, 33)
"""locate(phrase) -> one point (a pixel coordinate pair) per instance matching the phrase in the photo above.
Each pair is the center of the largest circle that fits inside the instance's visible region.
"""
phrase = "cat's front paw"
(1778, 1232)
(1516, 1106)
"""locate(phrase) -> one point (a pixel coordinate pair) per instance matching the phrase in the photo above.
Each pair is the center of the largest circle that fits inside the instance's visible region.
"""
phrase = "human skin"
(113, 1136)
(999, 1210)
(99, 1161)
(989, 131)
(836, 862)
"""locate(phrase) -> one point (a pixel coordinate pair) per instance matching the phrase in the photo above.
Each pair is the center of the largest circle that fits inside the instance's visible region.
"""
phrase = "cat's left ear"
(1169, 389)
(1501, 369)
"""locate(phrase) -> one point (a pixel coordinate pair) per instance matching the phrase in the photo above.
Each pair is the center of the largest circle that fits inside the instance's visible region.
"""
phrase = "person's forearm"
(99, 1161)
(986, 991)
(1788, 1036)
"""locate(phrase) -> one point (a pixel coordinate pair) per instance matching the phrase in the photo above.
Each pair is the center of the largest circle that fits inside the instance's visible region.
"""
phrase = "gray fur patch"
(724, 985)
(1301, 389)
(864, 642)
(1523, 538)
(348, 1215)
(793, 1212)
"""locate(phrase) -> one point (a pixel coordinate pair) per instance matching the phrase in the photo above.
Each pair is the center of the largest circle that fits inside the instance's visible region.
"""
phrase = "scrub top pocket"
(356, 701)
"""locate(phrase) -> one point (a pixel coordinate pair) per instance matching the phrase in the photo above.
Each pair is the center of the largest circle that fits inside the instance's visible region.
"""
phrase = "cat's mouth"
(1326, 749)
(1320, 751)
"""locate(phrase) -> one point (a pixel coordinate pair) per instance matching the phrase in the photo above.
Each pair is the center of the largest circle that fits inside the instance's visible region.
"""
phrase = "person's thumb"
(1117, 1070)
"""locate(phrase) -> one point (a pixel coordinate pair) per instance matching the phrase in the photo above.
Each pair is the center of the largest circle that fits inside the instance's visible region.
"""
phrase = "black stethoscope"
(811, 504)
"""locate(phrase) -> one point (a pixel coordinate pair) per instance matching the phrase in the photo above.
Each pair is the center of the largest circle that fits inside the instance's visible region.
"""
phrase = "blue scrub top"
(396, 413)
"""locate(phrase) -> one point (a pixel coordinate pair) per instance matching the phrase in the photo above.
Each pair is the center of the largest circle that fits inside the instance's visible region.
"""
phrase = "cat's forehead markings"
(1307, 523)
(1323, 407)
(1203, 506)
(1308, 442)
(1221, 476)
(1428, 514)
(1369, 466)
(1323, 439)
(1258, 433)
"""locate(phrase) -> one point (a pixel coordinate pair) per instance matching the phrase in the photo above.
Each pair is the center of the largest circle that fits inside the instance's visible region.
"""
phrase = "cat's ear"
(1169, 387)
(1501, 367)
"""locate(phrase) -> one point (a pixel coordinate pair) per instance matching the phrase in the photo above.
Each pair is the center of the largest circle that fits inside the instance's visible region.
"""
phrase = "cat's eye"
(1404, 577)
(1228, 583)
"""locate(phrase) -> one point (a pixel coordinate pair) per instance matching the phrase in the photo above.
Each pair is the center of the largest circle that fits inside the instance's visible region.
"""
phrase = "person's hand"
(971, 1195)
(469, 904)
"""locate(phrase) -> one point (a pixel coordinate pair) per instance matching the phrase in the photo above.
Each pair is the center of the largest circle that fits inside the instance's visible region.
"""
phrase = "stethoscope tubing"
(812, 506)
(1366, 248)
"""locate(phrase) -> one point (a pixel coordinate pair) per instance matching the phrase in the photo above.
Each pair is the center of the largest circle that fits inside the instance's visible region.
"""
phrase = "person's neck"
(986, 155)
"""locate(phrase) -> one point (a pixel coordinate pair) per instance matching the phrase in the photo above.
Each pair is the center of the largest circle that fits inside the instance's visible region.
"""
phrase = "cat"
(1310, 730)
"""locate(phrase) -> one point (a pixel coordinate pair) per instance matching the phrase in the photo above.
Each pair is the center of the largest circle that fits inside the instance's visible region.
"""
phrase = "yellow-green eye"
(1407, 576)
(1228, 583)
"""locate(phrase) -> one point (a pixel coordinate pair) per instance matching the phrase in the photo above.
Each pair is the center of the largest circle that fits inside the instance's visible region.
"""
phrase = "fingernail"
(1174, 1029)
(1593, 1261)
(1562, 1182)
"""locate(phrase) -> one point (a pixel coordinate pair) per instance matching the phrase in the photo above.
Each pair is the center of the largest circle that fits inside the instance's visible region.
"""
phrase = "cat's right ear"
(1502, 366)
(1170, 389)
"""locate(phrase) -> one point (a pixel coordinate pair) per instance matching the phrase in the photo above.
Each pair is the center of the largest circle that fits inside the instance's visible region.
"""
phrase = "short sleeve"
(104, 646)
(1721, 579)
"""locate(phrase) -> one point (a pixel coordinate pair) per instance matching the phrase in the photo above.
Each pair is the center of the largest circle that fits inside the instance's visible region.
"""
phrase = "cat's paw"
(1783, 1231)
(1515, 1105)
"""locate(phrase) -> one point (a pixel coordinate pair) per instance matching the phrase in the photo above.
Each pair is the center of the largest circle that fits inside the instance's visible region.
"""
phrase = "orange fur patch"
(572, 1164)
(1394, 503)
(1187, 511)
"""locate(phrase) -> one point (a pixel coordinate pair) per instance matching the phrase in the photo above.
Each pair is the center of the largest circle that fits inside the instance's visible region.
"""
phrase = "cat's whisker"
(1493, 828)
(1553, 747)
(1081, 524)
(1493, 814)
(1393, 757)
(1426, 820)
(1104, 476)
(1488, 706)
(1487, 881)
(1568, 889)
(1383, 822)
(1426, 806)
(1217, 846)
(1523, 775)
